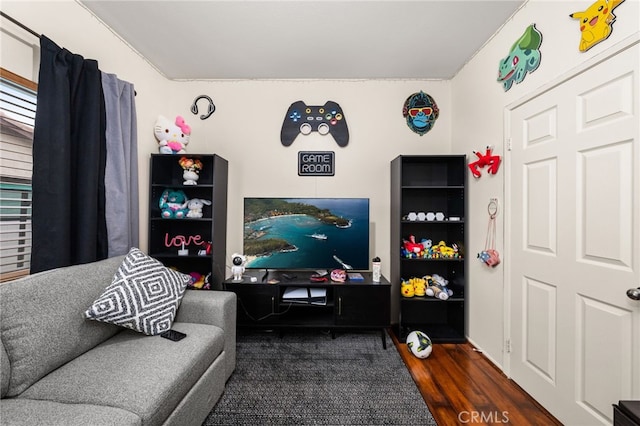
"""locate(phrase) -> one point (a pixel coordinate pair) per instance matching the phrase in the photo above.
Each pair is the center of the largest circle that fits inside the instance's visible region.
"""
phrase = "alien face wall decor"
(421, 112)
(524, 57)
(596, 22)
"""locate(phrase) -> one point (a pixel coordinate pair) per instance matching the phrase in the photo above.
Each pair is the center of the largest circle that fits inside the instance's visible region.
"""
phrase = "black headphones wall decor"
(210, 110)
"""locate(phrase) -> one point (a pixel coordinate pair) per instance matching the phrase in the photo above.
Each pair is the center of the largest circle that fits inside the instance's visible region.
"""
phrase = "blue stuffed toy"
(173, 204)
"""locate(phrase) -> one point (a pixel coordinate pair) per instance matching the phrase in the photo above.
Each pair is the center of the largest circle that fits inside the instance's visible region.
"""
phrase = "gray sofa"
(58, 368)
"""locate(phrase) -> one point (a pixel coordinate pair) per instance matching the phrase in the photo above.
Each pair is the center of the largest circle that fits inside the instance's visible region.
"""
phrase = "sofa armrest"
(214, 308)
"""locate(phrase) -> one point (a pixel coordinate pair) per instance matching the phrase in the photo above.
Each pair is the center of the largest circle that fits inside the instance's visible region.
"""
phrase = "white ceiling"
(305, 39)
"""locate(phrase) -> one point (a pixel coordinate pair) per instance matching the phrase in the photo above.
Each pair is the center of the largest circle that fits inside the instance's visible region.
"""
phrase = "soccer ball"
(419, 344)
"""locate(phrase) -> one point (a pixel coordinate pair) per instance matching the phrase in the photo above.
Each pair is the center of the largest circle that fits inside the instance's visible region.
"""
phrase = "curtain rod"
(20, 24)
(24, 27)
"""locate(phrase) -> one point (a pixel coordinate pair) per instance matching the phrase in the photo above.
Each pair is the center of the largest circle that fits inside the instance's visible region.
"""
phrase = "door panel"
(573, 199)
(540, 182)
(540, 326)
(605, 212)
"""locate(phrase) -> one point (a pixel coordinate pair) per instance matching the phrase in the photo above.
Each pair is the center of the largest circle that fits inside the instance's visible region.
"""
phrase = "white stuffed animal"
(172, 137)
(195, 206)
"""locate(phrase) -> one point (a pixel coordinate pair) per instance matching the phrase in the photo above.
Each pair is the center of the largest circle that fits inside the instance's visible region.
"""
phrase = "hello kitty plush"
(172, 137)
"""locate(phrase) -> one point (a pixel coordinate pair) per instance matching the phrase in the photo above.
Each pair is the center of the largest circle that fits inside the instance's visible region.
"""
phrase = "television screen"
(306, 233)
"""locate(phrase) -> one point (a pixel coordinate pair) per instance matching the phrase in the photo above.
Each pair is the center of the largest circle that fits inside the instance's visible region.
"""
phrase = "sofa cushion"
(146, 375)
(29, 412)
(41, 321)
(144, 295)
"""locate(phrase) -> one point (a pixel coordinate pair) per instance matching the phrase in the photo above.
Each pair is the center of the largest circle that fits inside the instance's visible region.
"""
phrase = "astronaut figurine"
(237, 269)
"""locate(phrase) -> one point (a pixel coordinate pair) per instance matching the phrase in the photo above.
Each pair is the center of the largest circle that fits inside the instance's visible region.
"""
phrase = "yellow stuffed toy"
(419, 286)
(406, 289)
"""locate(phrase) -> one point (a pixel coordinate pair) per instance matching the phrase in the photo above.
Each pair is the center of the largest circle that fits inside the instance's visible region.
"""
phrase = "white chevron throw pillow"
(143, 296)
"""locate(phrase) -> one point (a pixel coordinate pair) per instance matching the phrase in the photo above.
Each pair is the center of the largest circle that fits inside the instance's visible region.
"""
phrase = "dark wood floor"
(461, 386)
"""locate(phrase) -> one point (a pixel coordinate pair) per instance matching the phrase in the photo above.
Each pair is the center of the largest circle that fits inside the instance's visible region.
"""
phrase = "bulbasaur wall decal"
(524, 56)
(596, 22)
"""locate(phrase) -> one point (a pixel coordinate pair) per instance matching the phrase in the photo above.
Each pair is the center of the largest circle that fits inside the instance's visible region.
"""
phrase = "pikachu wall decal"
(596, 22)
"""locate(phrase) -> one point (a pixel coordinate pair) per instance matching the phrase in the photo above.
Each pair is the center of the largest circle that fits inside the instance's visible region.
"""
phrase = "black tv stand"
(352, 304)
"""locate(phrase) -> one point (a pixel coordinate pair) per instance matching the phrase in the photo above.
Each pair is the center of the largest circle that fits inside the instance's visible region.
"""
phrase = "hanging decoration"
(596, 23)
(488, 159)
(211, 108)
(421, 112)
(524, 57)
(490, 255)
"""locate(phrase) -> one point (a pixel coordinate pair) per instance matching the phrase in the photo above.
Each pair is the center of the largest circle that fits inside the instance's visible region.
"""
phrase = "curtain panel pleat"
(121, 174)
(69, 159)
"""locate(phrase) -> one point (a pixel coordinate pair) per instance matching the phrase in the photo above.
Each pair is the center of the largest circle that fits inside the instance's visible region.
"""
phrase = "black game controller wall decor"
(421, 112)
(324, 119)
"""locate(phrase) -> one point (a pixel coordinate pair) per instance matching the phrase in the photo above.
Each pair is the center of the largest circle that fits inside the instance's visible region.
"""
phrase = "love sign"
(182, 240)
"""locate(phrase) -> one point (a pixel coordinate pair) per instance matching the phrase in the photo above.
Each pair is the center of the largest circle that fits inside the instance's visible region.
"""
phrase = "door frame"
(615, 49)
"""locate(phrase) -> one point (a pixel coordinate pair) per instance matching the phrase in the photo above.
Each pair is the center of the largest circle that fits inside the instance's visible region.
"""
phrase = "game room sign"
(316, 163)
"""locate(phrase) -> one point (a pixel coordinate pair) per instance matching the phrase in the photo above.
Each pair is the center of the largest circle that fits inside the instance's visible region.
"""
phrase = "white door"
(573, 239)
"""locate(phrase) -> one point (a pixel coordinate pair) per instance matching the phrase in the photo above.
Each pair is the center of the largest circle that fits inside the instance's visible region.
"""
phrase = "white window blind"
(17, 115)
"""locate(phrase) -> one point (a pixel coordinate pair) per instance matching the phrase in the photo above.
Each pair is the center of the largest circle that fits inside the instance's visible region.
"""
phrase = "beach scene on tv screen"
(306, 233)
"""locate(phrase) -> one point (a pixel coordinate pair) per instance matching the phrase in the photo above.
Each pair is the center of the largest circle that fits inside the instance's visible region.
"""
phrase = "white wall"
(245, 129)
(479, 103)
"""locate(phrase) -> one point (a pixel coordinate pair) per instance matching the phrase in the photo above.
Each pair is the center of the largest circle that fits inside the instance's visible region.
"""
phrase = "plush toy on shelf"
(199, 281)
(437, 287)
(172, 138)
(419, 286)
(192, 169)
(195, 206)
(173, 204)
(406, 289)
(411, 247)
(415, 286)
(444, 251)
(426, 244)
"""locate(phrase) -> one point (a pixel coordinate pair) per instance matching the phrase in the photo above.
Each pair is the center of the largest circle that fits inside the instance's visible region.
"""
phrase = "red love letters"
(179, 240)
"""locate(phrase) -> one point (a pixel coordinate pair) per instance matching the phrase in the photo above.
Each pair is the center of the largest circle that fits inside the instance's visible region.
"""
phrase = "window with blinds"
(17, 115)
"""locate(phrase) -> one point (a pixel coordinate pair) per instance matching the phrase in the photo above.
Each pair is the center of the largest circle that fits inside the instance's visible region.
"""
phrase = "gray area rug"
(308, 378)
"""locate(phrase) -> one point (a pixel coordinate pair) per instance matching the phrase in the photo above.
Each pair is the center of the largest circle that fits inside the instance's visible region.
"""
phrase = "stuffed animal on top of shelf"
(173, 137)
(173, 204)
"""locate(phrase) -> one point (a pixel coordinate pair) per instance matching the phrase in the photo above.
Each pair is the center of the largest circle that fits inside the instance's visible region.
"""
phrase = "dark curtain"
(69, 156)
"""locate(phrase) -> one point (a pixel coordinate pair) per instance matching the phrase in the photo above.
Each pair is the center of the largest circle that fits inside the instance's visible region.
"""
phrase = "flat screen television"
(306, 233)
